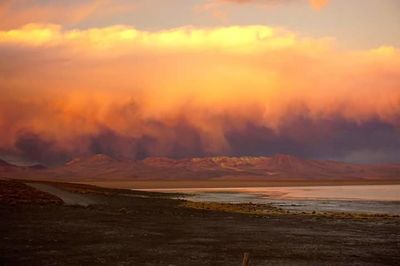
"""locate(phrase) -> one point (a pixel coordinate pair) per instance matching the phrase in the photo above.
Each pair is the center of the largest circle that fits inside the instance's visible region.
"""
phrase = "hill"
(278, 167)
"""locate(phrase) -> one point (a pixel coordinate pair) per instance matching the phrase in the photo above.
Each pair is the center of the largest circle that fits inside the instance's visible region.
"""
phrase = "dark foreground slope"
(137, 228)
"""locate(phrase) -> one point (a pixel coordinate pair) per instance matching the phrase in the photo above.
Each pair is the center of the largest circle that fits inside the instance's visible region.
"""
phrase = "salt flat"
(383, 199)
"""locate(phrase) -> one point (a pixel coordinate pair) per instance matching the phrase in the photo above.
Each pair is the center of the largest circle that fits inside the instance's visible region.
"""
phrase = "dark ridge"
(37, 167)
(6, 164)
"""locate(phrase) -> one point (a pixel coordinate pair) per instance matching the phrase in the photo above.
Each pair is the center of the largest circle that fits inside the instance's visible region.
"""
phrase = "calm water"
(359, 199)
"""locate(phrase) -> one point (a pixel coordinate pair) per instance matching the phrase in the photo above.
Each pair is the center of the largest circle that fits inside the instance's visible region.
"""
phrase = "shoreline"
(211, 184)
(374, 199)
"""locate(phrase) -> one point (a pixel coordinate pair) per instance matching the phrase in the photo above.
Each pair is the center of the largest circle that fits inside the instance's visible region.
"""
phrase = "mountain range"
(278, 167)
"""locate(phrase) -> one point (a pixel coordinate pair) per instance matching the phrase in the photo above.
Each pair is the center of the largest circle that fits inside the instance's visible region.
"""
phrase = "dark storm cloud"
(178, 141)
(336, 138)
(36, 148)
(339, 139)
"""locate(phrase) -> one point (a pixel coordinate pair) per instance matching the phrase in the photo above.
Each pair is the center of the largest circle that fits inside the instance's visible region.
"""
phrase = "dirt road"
(69, 198)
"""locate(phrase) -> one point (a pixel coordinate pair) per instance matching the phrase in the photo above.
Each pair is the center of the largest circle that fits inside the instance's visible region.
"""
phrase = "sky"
(317, 79)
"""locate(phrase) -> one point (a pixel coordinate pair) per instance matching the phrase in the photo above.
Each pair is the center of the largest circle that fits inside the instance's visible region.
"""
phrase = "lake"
(371, 199)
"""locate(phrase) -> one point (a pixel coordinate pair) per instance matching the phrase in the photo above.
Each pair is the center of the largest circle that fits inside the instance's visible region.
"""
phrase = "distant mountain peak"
(97, 158)
(286, 160)
(285, 156)
(158, 159)
(280, 166)
(37, 167)
(101, 158)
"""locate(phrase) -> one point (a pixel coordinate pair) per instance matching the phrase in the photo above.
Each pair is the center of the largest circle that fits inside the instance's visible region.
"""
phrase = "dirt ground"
(139, 228)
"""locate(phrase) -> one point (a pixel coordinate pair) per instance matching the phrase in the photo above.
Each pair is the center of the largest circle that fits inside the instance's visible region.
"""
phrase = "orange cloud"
(189, 86)
(15, 13)
(318, 4)
(217, 10)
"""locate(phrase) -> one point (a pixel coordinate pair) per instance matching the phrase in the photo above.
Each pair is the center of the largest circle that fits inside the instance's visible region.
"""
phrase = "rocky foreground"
(123, 227)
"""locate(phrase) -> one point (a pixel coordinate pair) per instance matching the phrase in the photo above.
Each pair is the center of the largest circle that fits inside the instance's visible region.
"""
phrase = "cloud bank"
(243, 90)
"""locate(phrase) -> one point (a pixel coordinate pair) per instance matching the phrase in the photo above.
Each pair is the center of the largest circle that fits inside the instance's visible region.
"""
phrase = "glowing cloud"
(190, 91)
(317, 4)
(229, 39)
(216, 7)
